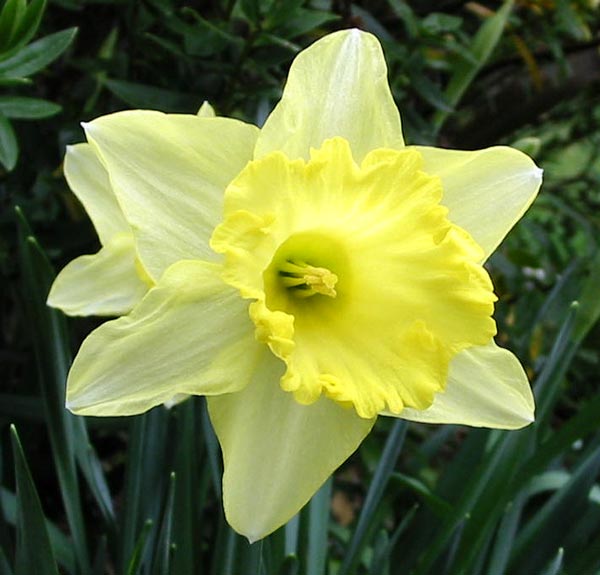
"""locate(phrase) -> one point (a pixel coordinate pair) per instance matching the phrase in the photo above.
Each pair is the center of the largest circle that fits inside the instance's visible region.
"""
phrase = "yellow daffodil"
(307, 278)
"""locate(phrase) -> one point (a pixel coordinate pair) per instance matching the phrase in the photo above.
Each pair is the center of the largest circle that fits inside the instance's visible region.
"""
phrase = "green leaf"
(539, 540)
(34, 552)
(27, 108)
(584, 422)
(193, 484)
(430, 92)
(483, 44)
(384, 469)
(9, 148)
(505, 536)
(9, 20)
(145, 480)
(37, 55)
(28, 25)
(161, 562)
(139, 549)
(62, 546)
(318, 527)
(589, 302)
(555, 564)
(51, 344)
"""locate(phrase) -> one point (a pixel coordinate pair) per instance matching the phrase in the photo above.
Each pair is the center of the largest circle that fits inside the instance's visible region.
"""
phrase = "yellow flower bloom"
(308, 277)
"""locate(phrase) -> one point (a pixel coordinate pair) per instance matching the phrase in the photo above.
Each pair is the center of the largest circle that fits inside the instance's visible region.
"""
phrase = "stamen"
(306, 280)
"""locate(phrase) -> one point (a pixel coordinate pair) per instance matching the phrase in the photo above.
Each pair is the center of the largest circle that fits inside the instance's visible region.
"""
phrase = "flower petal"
(103, 284)
(486, 191)
(88, 180)
(336, 87)
(277, 452)
(189, 335)
(169, 173)
(487, 387)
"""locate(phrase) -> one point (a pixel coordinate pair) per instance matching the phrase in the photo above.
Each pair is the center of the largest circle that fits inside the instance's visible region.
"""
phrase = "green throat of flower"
(358, 280)
(308, 271)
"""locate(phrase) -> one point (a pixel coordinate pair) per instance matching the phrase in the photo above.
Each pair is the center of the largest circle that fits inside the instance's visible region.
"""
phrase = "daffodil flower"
(308, 277)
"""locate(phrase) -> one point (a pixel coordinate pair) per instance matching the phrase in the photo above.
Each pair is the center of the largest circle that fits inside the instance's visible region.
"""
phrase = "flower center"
(304, 280)
(309, 270)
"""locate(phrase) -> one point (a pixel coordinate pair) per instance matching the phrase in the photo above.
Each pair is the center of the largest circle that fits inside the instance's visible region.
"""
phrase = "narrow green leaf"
(161, 563)
(15, 81)
(9, 148)
(28, 24)
(318, 529)
(91, 468)
(430, 92)
(213, 451)
(189, 465)
(380, 479)
(439, 505)
(27, 108)
(292, 529)
(145, 480)
(37, 55)
(556, 564)
(484, 42)
(251, 558)
(62, 546)
(380, 563)
(10, 17)
(481, 496)
(51, 345)
(547, 384)
(544, 533)
(34, 552)
(505, 537)
(133, 565)
(589, 302)
(226, 549)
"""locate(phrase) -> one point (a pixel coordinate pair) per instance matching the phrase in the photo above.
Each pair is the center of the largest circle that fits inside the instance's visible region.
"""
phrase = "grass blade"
(380, 479)
(34, 552)
(49, 334)
(318, 528)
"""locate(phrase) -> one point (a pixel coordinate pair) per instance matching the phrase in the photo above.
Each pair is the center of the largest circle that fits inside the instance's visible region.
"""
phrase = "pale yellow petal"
(106, 283)
(277, 452)
(169, 173)
(88, 180)
(336, 87)
(206, 110)
(189, 335)
(487, 387)
(486, 191)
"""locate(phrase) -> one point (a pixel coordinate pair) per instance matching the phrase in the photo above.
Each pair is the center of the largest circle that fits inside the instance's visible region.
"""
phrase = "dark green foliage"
(142, 495)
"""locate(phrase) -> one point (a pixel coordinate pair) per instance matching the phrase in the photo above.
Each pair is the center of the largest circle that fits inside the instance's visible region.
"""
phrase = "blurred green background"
(142, 495)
